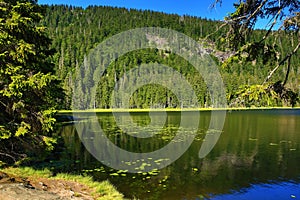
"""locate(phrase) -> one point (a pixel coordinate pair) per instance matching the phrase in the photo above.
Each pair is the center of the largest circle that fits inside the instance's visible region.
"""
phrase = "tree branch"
(287, 57)
(252, 14)
(288, 71)
(219, 27)
(272, 25)
(7, 155)
(257, 9)
(3, 104)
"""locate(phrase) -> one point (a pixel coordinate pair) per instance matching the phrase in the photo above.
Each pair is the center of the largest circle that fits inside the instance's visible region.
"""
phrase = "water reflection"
(278, 190)
(258, 154)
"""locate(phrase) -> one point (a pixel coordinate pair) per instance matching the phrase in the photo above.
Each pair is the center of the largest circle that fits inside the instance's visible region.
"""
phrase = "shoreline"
(40, 183)
(142, 110)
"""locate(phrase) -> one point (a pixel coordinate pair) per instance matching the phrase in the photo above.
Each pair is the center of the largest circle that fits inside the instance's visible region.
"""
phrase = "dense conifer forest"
(75, 31)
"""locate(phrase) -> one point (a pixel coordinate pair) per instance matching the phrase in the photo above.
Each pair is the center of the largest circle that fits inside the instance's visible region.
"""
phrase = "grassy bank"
(137, 110)
(100, 190)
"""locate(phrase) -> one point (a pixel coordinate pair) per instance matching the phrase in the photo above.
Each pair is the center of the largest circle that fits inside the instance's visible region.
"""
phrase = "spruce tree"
(29, 90)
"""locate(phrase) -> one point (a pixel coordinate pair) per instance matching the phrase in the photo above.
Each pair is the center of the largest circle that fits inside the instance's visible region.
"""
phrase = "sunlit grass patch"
(101, 190)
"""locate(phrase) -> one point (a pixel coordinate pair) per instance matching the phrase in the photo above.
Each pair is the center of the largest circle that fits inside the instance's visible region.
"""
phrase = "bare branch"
(257, 10)
(7, 155)
(3, 104)
(288, 71)
(287, 57)
(272, 25)
(219, 28)
(213, 5)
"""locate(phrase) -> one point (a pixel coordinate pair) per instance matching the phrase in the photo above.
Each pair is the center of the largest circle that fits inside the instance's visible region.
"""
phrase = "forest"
(75, 31)
(47, 68)
(45, 57)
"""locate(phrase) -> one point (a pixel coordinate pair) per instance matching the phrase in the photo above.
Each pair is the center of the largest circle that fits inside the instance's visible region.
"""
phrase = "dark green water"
(256, 157)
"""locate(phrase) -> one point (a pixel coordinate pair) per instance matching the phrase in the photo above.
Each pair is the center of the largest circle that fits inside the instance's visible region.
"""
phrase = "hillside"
(75, 31)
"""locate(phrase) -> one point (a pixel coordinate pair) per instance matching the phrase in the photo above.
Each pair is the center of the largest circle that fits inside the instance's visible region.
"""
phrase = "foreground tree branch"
(249, 49)
(287, 57)
(29, 92)
(9, 156)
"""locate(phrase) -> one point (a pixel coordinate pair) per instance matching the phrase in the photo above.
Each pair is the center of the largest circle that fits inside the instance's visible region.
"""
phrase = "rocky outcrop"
(16, 188)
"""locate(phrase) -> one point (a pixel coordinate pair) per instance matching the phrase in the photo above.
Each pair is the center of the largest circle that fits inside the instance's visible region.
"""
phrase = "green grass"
(105, 188)
(27, 172)
(170, 109)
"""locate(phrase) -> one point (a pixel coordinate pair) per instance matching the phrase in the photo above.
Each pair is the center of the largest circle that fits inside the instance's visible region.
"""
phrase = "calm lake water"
(256, 157)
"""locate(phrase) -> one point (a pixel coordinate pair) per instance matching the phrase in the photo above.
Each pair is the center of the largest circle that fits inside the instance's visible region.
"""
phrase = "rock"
(3, 175)
(17, 191)
(17, 188)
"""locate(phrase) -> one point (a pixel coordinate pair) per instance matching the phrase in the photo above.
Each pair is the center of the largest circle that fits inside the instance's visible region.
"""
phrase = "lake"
(256, 157)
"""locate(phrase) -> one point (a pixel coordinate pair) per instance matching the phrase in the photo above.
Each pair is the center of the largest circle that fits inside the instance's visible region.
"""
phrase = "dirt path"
(15, 188)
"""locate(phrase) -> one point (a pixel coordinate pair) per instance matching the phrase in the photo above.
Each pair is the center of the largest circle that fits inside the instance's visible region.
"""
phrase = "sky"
(199, 8)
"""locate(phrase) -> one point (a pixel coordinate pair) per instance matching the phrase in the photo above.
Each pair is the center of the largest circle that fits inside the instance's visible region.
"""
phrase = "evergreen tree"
(29, 90)
(75, 31)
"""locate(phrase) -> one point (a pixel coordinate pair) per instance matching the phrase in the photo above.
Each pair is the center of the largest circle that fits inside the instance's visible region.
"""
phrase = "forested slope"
(75, 31)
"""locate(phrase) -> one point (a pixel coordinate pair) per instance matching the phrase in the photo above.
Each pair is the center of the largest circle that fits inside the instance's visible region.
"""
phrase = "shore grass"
(105, 188)
(137, 110)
